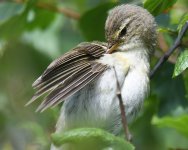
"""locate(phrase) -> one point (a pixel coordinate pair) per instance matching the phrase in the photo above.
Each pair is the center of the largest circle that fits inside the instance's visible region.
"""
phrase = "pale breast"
(96, 105)
(91, 106)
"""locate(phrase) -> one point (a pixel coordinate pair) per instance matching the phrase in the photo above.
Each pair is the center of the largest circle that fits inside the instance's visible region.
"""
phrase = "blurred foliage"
(31, 36)
(183, 21)
(179, 123)
(86, 22)
(94, 138)
(156, 7)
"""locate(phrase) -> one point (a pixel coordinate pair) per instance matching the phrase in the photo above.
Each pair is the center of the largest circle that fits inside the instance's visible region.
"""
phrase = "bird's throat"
(131, 46)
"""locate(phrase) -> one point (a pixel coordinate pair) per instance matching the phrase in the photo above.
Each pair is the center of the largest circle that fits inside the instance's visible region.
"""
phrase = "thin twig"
(67, 12)
(165, 57)
(122, 109)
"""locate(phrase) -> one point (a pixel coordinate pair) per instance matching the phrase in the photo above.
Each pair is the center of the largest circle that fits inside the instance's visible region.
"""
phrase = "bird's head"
(130, 26)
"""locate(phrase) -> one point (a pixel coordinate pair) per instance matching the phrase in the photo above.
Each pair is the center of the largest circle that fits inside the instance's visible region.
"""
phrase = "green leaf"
(167, 30)
(156, 7)
(12, 19)
(37, 18)
(9, 9)
(83, 137)
(46, 41)
(20, 19)
(183, 21)
(181, 63)
(92, 22)
(13, 27)
(178, 123)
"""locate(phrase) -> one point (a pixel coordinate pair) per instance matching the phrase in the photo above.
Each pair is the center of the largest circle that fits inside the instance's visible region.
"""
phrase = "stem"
(165, 57)
(122, 109)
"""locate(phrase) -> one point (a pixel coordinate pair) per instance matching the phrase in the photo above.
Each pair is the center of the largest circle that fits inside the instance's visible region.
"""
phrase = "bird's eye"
(123, 32)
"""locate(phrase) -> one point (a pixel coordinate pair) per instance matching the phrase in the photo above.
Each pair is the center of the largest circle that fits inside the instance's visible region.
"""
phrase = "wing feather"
(65, 90)
(73, 55)
(69, 73)
(54, 82)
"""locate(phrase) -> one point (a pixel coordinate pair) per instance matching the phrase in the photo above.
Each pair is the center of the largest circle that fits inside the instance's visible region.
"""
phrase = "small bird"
(85, 77)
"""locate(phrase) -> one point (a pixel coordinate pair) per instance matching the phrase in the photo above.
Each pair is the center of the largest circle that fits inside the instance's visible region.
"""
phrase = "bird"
(84, 79)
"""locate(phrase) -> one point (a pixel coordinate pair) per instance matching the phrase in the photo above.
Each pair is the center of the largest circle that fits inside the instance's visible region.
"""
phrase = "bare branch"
(165, 57)
(67, 12)
(122, 109)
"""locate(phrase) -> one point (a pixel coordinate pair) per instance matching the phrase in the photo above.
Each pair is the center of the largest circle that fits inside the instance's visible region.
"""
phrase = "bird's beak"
(112, 48)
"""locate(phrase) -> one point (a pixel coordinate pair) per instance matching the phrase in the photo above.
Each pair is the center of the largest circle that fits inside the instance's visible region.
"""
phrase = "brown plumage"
(69, 73)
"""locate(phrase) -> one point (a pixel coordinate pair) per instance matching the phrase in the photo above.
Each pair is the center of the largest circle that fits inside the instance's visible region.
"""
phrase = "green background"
(31, 37)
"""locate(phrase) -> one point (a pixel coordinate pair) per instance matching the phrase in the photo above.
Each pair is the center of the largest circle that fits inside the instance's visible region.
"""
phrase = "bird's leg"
(122, 110)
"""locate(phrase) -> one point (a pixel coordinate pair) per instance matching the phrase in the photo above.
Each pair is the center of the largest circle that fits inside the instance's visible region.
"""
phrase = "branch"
(67, 12)
(165, 57)
(122, 109)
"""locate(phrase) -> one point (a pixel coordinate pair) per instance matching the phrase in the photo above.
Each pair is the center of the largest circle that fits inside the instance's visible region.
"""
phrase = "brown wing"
(69, 73)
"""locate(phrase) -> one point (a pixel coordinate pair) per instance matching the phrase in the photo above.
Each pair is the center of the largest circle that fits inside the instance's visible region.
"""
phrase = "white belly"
(96, 105)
